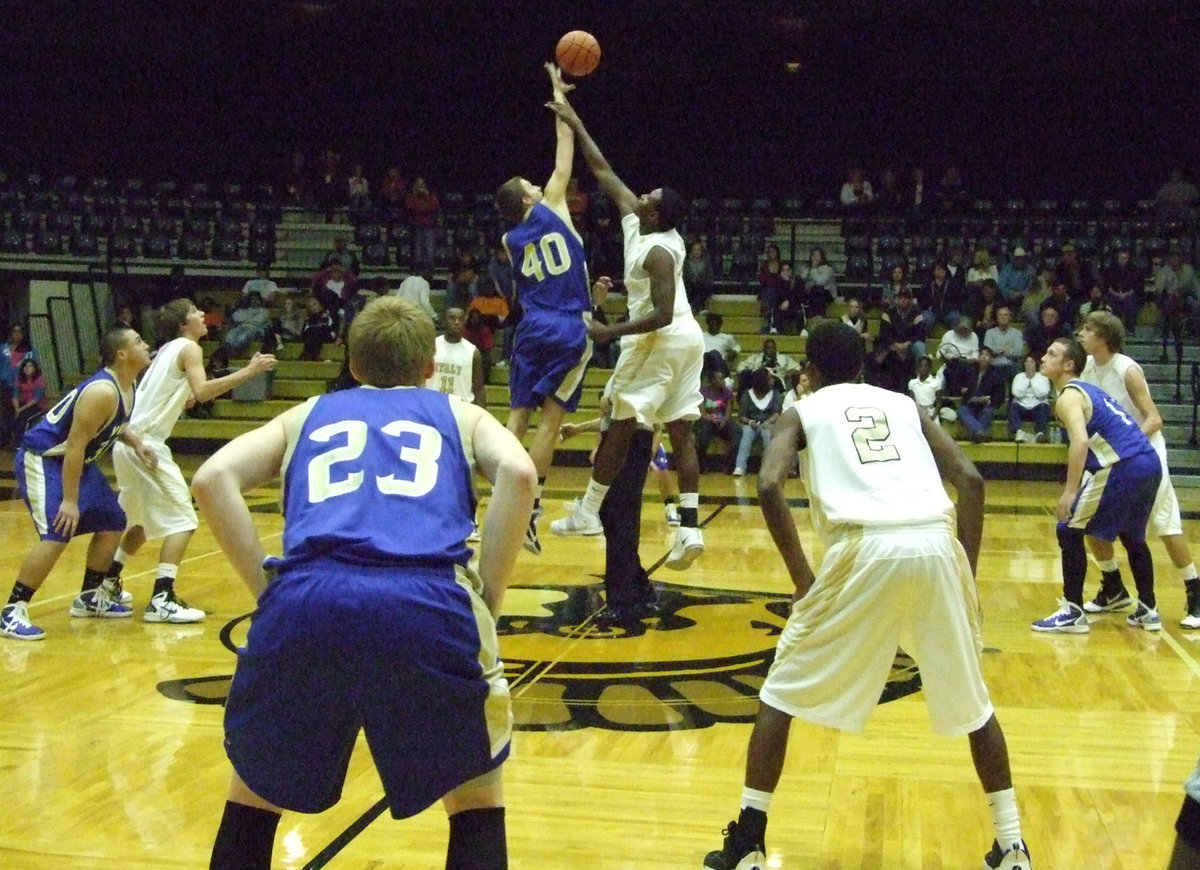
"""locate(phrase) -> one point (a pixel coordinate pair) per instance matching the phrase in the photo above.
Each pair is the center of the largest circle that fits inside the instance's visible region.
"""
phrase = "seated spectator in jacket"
(982, 398)
(1006, 342)
(820, 282)
(341, 254)
(885, 296)
(982, 301)
(982, 269)
(778, 365)
(959, 351)
(291, 319)
(1030, 402)
(855, 319)
(1098, 301)
(1016, 277)
(1061, 301)
(1125, 285)
(926, 388)
(317, 330)
(718, 418)
(332, 286)
(252, 321)
(261, 284)
(1050, 328)
(720, 348)
(698, 278)
(901, 341)
(1175, 287)
(1031, 305)
(787, 315)
(758, 409)
(941, 299)
(1077, 273)
(856, 191)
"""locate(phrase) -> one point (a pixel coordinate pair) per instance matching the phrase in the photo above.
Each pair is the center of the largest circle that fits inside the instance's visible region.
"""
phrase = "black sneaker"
(1192, 620)
(1112, 595)
(1015, 857)
(737, 854)
(532, 543)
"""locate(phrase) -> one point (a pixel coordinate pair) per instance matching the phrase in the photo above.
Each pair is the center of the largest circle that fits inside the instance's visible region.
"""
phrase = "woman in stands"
(29, 401)
(982, 268)
(13, 354)
(769, 283)
(819, 281)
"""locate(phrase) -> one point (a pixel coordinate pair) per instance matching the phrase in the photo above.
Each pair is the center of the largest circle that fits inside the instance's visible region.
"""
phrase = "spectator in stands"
(500, 273)
(758, 409)
(333, 285)
(720, 348)
(1016, 277)
(605, 252)
(856, 191)
(779, 365)
(251, 322)
(1031, 305)
(952, 191)
(493, 310)
(342, 254)
(477, 331)
(422, 208)
(890, 197)
(214, 317)
(901, 341)
(297, 185)
(463, 282)
(1061, 300)
(1030, 401)
(768, 283)
(982, 268)
(13, 354)
(717, 418)
(317, 330)
(358, 190)
(1177, 293)
(982, 398)
(897, 281)
(29, 399)
(416, 288)
(820, 282)
(1178, 196)
(956, 264)
(1096, 302)
(854, 317)
(959, 350)
(982, 302)
(788, 314)
(291, 319)
(330, 193)
(941, 300)
(124, 317)
(1006, 342)
(1049, 328)
(698, 278)
(916, 190)
(1078, 274)
(926, 388)
(390, 194)
(1125, 285)
(577, 205)
(261, 284)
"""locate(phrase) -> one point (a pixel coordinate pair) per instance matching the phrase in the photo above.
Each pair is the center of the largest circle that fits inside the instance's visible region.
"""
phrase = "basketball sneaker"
(672, 512)
(1068, 619)
(118, 591)
(1192, 620)
(1144, 617)
(689, 544)
(14, 622)
(1112, 595)
(166, 607)
(737, 853)
(532, 544)
(1015, 857)
(578, 523)
(100, 603)
(473, 538)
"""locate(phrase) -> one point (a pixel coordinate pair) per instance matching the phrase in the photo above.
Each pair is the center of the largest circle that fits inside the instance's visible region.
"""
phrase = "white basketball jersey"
(637, 280)
(452, 365)
(162, 392)
(867, 461)
(1110, 377)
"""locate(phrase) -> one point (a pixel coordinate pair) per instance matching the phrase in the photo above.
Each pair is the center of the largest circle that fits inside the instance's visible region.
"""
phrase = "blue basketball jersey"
(548, 263)
(49, 436)
(1112, 434)
(378, 477)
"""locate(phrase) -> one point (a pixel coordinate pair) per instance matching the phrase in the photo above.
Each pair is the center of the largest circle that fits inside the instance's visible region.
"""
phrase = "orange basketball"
(578, 53)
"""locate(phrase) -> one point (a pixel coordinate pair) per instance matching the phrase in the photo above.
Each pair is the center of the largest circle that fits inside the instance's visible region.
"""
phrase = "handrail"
(1194, 441)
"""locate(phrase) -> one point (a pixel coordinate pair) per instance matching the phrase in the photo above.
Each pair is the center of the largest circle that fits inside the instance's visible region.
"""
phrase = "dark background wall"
(1064, 98)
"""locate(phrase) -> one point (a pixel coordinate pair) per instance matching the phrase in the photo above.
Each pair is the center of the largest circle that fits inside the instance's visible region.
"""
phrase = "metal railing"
(1193, 441)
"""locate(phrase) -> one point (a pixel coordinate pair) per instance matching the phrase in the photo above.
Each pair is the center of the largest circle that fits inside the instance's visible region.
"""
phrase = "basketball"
(578, 53)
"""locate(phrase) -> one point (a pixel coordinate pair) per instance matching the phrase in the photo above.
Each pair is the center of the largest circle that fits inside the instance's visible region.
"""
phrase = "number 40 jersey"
(548, 263)
(378, 477)
(867, 461)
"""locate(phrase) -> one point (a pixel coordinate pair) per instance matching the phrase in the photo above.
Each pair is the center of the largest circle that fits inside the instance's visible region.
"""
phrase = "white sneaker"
(672, 513)
(165, 607)
(473, 538)
(689, 544)
(577, 523)
(739, 472)
(1022, 437)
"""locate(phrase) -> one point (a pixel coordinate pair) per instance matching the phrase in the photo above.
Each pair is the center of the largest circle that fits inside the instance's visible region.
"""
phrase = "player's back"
(867, 461)
(49, 436)
(549, 263)
(1110, 377)
(1112, 434)
(378, 477)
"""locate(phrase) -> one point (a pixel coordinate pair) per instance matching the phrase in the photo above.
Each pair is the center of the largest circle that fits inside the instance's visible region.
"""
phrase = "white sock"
(1109, 565)
(1188, 572)
(590, 503)
(120, 557)
(1005, 817)
(756, 800)
(689, 500)
(165, 569)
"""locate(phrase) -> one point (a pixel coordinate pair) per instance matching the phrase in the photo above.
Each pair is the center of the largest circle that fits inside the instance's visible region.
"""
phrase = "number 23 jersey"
(378, 477)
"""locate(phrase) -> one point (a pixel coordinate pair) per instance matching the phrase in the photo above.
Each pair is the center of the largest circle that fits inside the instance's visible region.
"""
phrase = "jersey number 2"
(422, 458)
(871, 435)
(550, 254)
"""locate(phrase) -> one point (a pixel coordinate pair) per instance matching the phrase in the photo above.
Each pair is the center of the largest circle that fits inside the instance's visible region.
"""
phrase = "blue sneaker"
(1068, 619)
(1145, 617)
(103, 602)
(14, 622)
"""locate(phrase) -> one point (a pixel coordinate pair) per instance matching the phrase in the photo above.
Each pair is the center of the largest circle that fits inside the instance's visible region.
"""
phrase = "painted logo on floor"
(697, 661)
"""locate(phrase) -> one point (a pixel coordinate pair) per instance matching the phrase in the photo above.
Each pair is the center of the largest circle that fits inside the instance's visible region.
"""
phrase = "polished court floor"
(630, 744)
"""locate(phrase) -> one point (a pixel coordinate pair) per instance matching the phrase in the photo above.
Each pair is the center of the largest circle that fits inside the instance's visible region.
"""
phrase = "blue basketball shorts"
(39, 483)
(1117, 500)
(550, 354)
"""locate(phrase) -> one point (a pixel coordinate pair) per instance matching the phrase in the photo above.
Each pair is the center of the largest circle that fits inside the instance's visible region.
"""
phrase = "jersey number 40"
(549, 256)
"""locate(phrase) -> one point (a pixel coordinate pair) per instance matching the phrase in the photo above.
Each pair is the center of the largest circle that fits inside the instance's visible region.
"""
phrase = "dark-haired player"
(657, 376)
(894, 574)
(551, 347)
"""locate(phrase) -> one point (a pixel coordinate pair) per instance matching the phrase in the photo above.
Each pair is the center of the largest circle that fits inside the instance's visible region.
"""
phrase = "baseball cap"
(1018, 251)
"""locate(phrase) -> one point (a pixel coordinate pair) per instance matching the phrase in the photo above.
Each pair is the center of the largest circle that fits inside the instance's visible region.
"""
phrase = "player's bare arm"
(478, 385)
(772, 477)
(957, 469)
(191, 358)
(661, 268)
(1073, 412)
(247, 461)
(501, 459)
(95, 407)
(612, 186)
(1139, 393)
(555, 192)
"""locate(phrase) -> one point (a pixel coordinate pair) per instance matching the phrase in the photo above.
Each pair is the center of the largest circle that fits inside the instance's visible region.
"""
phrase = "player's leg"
(610, 458)
(689, 540)
(246, 836)
(98, 596)
(1112, 595)
(165, 605)
(621, 516)
(478, 839)
(14, 617)
(133, 540)
(518, 421)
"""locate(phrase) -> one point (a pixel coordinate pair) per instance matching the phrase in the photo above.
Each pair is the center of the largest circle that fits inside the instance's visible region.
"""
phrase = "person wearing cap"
(901, 341)
(720, 348)
(1177, 293)
(1077, 273)
(1125, 286)
(1016, 277)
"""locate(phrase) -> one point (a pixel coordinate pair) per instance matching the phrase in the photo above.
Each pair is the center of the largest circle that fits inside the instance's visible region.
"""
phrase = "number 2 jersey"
(378, 477)
(867, 461)
(548, 263)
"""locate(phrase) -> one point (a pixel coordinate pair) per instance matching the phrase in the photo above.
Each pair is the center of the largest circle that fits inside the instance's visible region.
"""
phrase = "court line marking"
(1187, 658)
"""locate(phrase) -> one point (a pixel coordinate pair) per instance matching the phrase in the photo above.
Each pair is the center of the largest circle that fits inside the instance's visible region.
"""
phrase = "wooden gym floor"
(630, 746)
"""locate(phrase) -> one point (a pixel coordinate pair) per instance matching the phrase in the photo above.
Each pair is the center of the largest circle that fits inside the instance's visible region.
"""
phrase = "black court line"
(342, 840)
